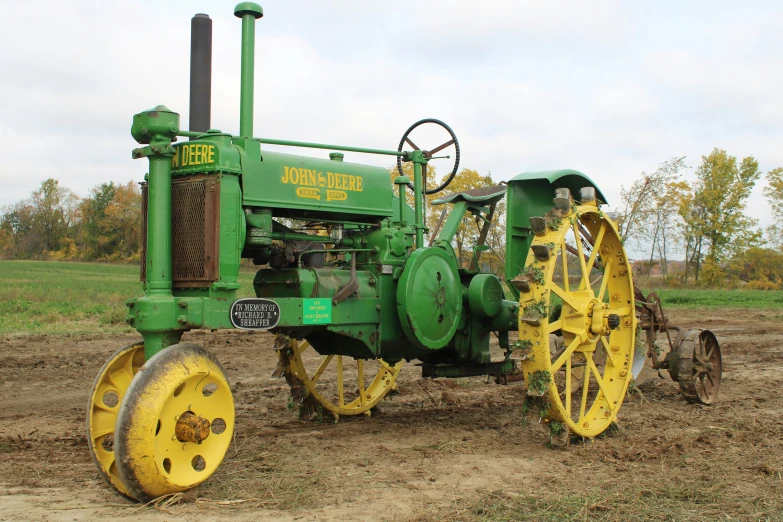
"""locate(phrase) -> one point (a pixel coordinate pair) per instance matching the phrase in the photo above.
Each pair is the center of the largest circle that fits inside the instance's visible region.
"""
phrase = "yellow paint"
(588, 380)
(329, 180)
(161, 463)
(113, 380)
(309, 193)
(336, 195)
(383, 382)
(193, 155)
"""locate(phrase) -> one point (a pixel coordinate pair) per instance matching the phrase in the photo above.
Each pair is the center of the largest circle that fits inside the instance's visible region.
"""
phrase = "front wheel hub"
(191, 428)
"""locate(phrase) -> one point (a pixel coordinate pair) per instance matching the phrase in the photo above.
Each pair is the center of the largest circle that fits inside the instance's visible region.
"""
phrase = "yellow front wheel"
(105, 398)
(337, 383)
(586, 376)
(175, 423)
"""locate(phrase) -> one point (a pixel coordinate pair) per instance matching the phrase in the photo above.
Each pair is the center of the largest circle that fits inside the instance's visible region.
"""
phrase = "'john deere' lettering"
(331, 180)
(193, 154)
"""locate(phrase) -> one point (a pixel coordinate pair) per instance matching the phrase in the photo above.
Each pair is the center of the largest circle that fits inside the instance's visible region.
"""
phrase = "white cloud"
(610, 89)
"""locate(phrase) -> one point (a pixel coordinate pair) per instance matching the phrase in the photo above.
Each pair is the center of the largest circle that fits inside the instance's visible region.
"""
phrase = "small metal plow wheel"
(698, 367)
(175, 424)
(584, 382)
(105, 398)
(339, 384)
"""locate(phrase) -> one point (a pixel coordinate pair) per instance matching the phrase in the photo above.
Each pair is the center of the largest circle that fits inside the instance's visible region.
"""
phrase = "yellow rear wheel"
(585, 379)
(175, 423)
(339, 384)
(105, 398)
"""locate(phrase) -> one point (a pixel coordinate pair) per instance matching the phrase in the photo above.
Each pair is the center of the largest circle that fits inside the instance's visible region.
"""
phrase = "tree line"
(55, 223)
(704, 223)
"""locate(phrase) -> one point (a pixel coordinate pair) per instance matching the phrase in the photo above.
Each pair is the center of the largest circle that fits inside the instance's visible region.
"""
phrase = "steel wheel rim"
(156, 452)
(370, 389)
(106, 396)
(700, 367)
(588, 378)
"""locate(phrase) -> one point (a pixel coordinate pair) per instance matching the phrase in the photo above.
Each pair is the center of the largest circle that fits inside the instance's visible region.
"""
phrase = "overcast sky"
(608, 88)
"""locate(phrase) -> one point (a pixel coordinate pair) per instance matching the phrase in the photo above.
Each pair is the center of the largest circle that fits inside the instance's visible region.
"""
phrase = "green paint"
(380, 293)
(315, 188)
(316, 311)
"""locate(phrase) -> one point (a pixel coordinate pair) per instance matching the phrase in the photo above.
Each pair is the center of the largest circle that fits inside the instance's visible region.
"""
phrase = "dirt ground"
(439, 450)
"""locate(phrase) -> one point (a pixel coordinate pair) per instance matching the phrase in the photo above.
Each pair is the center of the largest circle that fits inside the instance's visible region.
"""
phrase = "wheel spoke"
(360, 365)
(568, 387)
(440, 147)
(604, 280)
(564, 295)
(564, 254)
(566, 355)
(608, 350)
(585, 387)
(585, 282)
(596, 248)
(555, 326)
(322, 367)
(340, 390)
(598, 378)
(709, 377)
(409, 142)
(298, 347)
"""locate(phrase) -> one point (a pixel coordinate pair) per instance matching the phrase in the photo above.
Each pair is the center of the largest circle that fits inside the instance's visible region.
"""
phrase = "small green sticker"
(316, 311)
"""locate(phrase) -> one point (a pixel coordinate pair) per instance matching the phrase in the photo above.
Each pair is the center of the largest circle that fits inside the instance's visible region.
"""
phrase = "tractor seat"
(484, 195)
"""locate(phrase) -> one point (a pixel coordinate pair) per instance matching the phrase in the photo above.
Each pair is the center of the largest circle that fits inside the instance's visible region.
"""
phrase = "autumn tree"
(774, 193)
(468, 232)
(763, 267)
(640, 201)
(40, 224)
(16, 225)
(111, 217)
(715, 216)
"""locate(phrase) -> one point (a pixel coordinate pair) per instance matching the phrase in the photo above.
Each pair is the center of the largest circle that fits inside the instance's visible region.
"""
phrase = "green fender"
(530, 194)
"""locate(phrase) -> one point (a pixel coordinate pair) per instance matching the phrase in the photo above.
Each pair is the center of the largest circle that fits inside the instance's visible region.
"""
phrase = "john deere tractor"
(347, 284)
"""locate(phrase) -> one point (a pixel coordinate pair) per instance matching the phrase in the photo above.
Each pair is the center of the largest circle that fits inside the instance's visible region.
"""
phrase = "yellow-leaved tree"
(468, 232)
(718, 226)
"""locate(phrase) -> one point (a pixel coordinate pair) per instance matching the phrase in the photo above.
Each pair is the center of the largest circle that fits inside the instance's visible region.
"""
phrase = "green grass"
(57, 298)
(699, 500)
(703, 298)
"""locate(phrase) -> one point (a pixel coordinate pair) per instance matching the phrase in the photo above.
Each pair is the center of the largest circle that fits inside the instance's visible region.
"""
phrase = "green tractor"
(347, 285)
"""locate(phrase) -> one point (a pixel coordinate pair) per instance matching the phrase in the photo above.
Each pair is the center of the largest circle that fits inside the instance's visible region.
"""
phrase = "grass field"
(56, 298)
(700, 298)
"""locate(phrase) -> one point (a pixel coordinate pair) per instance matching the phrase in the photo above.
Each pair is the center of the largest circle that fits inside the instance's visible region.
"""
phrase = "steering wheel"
(430, 153)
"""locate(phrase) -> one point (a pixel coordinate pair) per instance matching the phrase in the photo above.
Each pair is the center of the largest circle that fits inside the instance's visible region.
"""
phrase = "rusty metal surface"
(195, 224)
(191, 428)
(698, 367)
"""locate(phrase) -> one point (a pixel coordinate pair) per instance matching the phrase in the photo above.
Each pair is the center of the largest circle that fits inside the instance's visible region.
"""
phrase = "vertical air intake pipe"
(248, 12)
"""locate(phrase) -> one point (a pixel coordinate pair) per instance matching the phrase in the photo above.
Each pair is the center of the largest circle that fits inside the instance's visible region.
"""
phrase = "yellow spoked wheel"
(105, 398)
(339, 384)
(585, 380)
(175, 423)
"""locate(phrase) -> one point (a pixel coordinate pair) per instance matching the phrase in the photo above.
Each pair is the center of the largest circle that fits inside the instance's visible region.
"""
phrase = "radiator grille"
(194, 227)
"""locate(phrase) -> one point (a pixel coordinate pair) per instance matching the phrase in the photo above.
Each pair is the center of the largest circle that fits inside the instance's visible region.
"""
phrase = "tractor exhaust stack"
(200, 73)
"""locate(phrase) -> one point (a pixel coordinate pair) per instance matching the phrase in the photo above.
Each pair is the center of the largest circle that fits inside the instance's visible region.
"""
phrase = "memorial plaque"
(255, 314)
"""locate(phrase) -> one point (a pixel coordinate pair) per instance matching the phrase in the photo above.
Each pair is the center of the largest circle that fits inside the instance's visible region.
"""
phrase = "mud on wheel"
(107, 394)
(580, 331)
(335, 383)
(175, 423)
